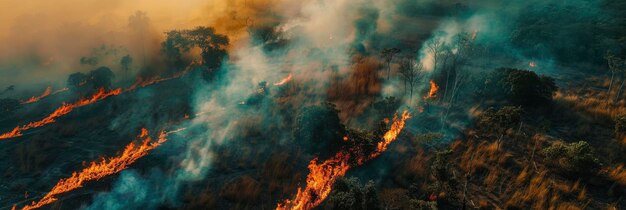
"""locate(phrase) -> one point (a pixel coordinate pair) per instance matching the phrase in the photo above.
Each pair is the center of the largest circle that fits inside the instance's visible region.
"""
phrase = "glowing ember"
(433, 90)
(323, 175)
(61, 111)
(284, 80)
(102, 168)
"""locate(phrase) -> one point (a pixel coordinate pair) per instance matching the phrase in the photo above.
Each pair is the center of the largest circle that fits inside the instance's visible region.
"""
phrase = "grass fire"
(313, 104)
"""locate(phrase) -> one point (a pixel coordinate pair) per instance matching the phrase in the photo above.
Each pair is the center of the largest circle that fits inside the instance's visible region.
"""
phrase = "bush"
(441, 170)
(348, 193)
(496, 122)
(577, 157)
(423, 205)
(85, 84)
(620, 125)
(318, 128)
(520, 87)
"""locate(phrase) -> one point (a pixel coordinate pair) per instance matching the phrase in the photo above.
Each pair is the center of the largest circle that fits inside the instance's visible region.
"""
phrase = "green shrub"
(318, 128)
(576, 157)
(496, 122)
(520, 87)
(349, 194)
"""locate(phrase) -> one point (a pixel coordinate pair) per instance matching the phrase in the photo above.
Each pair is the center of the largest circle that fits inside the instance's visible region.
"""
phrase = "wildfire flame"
(61, 111)
(102, 168)
(100, 95)
(284, 80)
(143, 82)
(323, 175)
(433, 90)
(46, 93)
(33, 99)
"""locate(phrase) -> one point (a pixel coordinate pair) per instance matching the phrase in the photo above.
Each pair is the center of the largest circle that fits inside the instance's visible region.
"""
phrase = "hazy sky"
(45, 39)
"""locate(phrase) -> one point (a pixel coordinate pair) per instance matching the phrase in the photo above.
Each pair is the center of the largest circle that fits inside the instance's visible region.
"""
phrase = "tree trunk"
(619, 91)
(455, 87)
(388, 69)
(435, 62)
(608, 92)
(411, 96)
(405, 87)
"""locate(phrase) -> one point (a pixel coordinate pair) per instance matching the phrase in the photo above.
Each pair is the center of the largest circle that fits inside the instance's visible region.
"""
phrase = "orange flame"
(34, 99)
(284, 80)
(433, 90)
(143, 83)
(101, 168)
(61, 111)
(323, 175)
(100, 95)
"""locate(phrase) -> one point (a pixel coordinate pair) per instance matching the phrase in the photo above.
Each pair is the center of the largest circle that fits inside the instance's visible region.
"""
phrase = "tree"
(521, 87)
(101, 78)
(494, 122)
(388, 54)
(434, 47)
(175, 45)
(388, 106)
(76, 80)
(457, 54)
(88, 83)
(616, 66)
(92, 61)
(349, 194)
(319, 129)
(411, 73)
(441, 171)
(126, 61)
(8, 106)
(576, 157)
(212, 46)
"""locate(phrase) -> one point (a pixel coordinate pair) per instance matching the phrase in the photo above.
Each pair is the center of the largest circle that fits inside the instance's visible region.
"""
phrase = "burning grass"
(102, 168)
(324, 174)
(61, 111)
(100, 95)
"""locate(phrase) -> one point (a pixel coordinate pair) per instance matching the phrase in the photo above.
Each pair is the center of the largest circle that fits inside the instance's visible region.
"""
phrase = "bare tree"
(388, 54)
(616, 65)
(457, 54)
(411, 73)
(435, 47)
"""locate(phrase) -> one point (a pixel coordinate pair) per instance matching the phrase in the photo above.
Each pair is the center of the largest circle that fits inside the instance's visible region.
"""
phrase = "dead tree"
(388, 54)
(411, 73)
